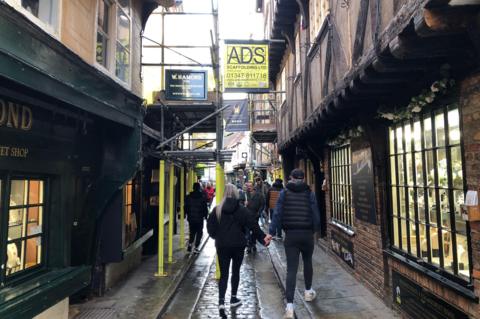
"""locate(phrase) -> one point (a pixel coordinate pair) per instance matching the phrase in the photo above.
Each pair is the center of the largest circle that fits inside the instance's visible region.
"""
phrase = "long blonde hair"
(230, 191)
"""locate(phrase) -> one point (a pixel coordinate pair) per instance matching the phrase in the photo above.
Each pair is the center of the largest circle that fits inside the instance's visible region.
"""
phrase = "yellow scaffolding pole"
(182, 204)
(161, 218)
(171, 217)
(220, 179)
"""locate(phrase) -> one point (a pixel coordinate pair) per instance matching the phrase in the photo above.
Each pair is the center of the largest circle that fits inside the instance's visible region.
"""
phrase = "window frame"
(395, 220)
(52, 29)
(5, 179)
(342, 218)
(110, 68)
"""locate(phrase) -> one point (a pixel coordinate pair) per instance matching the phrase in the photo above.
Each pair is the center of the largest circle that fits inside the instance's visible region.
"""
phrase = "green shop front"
(70, 140)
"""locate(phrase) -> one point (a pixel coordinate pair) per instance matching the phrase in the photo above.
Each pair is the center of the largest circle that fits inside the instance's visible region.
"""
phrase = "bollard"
(182, 204)
(171, 217)
(161, 218)
(220, 179)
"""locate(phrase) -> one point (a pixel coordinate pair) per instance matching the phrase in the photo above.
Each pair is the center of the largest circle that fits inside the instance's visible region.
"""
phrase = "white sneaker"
(310, 295)
(288, 314)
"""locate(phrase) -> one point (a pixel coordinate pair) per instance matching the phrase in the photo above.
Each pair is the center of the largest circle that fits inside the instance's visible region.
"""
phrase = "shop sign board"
(236, 116)
(415, 300)
(186, 85)
(363, 189)
(246, 66)
(342, 247)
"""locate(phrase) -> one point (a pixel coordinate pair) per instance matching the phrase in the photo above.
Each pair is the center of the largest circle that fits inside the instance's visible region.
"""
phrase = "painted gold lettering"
(4, 150)
(27, 118)
(13, 112)
(3, 112)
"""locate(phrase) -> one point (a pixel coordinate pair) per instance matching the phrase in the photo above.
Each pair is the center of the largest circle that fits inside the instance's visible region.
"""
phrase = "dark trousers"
(225, 255)
(278, 231)
(196, 233)
(250, 238)
(297, 242)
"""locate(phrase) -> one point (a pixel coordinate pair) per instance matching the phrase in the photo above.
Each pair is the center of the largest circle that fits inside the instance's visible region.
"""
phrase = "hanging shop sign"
(186, 85)
(413, 299)
(363, 190)
(236, 116)
(246, 66)
(342, 247)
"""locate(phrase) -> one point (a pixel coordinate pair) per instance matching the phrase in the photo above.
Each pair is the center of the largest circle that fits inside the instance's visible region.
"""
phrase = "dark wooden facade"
(340, 63)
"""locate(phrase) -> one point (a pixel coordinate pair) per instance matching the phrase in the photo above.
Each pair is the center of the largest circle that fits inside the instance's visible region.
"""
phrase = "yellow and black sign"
(246, 66)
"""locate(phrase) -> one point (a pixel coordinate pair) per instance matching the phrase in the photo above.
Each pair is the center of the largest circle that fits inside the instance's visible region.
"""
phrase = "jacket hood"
(229, 206)
(298, 187)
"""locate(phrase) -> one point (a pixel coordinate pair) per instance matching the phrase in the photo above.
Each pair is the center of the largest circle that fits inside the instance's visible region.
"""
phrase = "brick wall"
(367, 241)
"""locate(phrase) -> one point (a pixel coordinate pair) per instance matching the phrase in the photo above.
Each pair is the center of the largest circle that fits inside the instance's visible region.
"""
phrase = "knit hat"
(297, 174)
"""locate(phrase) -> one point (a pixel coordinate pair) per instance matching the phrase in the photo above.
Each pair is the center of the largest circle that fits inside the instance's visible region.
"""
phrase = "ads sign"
(246, 66)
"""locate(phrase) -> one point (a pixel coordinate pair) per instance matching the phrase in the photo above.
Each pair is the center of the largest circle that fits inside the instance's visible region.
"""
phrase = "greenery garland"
(345, 135)
(417, 103)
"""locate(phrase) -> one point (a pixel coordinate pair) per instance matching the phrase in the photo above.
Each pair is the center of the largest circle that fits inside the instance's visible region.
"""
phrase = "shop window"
(25, 211)
(114, 37)
(130, 218)
(341, 185)
(427, 189)
(43, 12)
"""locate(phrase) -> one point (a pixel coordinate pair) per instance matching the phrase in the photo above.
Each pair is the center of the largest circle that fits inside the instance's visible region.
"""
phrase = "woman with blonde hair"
(227, 224)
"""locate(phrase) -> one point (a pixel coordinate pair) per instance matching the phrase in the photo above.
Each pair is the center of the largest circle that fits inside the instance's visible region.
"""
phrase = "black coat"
(196, 207)
(234, 221)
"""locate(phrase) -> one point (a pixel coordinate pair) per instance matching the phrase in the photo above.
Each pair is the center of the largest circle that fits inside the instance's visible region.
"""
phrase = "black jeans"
(225, 255)
(296, 242)
(196, 233)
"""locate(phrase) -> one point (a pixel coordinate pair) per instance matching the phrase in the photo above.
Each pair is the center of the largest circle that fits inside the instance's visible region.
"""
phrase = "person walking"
(297, 213)
(210, 192)
(271, 200)
(255, 203)
(196, 211)
(226, 224)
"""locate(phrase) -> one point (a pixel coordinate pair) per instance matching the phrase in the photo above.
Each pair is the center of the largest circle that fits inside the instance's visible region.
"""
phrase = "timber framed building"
(382, 110)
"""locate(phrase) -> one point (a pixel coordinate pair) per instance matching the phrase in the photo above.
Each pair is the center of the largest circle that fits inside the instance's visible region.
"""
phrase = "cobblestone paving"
(207, 306)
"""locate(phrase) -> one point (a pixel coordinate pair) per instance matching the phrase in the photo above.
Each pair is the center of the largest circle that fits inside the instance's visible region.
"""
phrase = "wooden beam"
(444, 21)
(360, 32)
(414, 47)
(328, 63)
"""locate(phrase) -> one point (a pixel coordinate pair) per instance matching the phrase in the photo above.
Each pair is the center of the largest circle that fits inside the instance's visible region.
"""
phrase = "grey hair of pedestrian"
(230, 191)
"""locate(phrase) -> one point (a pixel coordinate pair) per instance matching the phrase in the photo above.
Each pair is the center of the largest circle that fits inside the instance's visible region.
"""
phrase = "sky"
(237, 20)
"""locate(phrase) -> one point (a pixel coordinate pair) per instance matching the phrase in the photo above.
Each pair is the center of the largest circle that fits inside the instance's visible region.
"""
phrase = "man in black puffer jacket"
(196, 211)
(297, 213)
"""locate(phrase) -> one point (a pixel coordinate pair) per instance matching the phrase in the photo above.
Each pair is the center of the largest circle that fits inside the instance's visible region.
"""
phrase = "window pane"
(401, 170)
(403, 208)
(417, 135)
(462, 255)
(421, 204)
(423, 241)
(409, 169)
(413, 239)
(393, 176)
(460, 224)
(399, 140)
(15, 256)
(44, 10)
(123, 63)
(419, 168)
(408, 138)
(395, 232)
(440, 129)
(427, 126)
(432, 203)
(453, 127)
(430, 168)
(102, 17)
(16, 222)
(447, 251)
(35, 218)
(442, 168)
(445, 208)
(411, 203)
(18, 191)
(123, 29)
(391, 134)
(35, 193)
(33, 255)
(102, 48)
(434, 245)
(404, 234)
(457, 173)
(394, 201)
